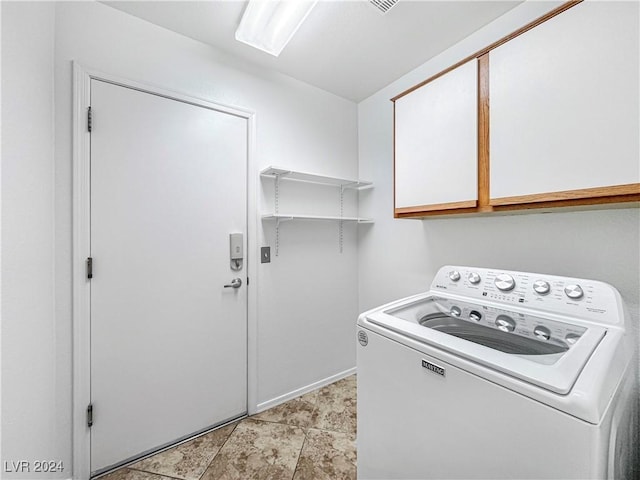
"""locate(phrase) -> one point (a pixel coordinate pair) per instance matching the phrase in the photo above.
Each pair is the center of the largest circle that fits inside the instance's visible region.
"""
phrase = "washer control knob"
(455, 311)
(454, 275)
(573, 291)
(541, 287)
(474, 278)
(571, 338)
(475, 315)
(505, 323)
(505, 282)
(542, 333)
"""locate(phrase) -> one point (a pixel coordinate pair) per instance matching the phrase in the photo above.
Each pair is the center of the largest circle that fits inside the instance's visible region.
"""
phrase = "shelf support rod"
(340, 227)
(276, 208)
(276, 193)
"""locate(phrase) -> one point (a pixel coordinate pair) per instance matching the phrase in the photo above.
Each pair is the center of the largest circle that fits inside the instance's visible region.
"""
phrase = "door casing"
(81, 250)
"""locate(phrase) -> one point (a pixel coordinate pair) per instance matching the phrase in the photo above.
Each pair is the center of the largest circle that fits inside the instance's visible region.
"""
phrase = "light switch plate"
(265, 254)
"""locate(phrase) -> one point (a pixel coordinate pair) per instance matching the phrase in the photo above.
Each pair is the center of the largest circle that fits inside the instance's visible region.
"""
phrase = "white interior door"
(168, 340)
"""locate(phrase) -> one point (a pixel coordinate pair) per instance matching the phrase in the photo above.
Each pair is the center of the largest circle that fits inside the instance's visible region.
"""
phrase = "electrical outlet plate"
(265, 254)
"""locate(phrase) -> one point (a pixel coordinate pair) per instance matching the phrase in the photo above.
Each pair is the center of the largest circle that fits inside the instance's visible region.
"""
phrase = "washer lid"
(539, 350)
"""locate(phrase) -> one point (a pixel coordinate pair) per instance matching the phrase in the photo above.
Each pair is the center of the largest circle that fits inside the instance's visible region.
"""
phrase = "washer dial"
(505, 282)
(455, 311)
(573, 291)
(541, 287)
(454, 275)
(505, 323)
(542, 333)
(475, 315)
(474, 278)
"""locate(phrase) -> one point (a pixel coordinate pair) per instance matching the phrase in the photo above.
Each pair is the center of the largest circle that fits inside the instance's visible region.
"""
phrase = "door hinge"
(89, 267)
(89, 119)
(90, 415)
(247, 280)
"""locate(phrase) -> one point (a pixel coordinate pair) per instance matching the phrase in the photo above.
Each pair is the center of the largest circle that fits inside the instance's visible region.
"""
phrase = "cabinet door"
(564, 107)
(436, 143)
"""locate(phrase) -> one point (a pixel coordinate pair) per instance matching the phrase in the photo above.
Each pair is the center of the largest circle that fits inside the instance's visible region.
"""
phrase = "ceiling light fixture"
(269, 24)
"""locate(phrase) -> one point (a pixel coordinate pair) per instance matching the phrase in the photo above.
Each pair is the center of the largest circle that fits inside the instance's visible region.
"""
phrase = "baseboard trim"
(301, 391)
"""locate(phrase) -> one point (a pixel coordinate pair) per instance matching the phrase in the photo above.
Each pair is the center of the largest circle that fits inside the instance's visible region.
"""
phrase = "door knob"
(235, 283)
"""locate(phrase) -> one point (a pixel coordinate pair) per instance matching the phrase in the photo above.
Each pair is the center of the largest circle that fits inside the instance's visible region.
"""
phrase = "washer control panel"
(589, 299)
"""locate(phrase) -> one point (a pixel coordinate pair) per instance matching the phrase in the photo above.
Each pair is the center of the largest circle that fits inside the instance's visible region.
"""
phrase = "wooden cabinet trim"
(404, 211)
(483, 130)
(394, 159)
(623, 201)
(632, 189)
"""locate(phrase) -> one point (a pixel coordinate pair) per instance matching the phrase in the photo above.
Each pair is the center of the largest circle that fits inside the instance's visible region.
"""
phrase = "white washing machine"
(498, 374)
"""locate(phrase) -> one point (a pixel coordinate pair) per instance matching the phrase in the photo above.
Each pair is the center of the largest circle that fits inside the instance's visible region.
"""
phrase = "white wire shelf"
(278, 174)
(285, 174)
(285, 216)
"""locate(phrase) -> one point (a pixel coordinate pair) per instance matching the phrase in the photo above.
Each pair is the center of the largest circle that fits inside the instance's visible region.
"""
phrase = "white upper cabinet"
(564, 108)
(436, 132)
(547, 116)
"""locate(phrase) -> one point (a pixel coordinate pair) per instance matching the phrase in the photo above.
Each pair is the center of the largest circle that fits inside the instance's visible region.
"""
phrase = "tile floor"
(311, 437)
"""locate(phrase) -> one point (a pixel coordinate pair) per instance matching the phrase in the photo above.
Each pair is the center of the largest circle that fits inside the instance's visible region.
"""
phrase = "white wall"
(302, 337)
(399, 257)
(30, 424)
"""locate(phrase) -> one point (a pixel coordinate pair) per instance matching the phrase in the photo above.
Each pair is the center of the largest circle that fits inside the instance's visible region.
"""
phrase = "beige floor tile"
(268, 445)
(189, 460)
(299, 411)
(258, 450)
(327, 456)
(128, 474)
(336, 406)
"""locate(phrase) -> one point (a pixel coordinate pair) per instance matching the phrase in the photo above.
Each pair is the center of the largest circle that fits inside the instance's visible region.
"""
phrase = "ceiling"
(348, 48)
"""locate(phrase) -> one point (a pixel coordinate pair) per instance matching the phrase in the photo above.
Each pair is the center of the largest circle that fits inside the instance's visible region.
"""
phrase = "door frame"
(81, 248)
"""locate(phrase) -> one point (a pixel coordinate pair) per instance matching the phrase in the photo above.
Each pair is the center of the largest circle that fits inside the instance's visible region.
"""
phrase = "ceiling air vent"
(383, 5)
